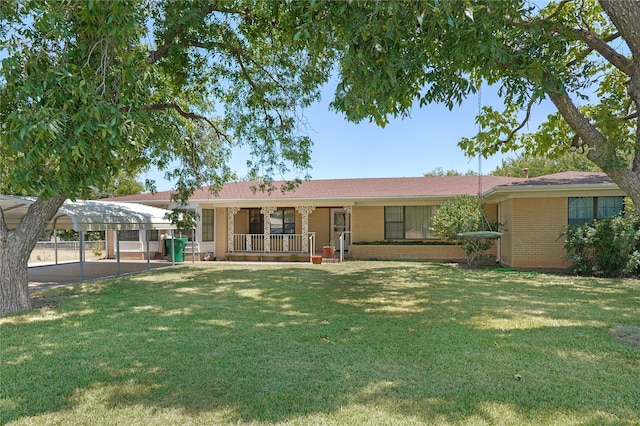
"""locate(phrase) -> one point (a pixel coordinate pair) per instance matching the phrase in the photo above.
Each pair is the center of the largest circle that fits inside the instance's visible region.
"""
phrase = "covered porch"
(285, 233)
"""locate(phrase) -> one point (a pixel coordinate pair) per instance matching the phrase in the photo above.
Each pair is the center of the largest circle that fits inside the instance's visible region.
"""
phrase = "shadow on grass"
(264, 343)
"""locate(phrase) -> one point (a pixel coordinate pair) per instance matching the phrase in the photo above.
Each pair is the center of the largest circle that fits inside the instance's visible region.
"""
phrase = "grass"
(356, 343)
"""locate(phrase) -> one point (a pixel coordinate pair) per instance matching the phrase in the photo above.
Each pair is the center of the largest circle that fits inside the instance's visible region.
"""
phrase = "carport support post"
(173, 249)
(118, 251)
(81, 256)
(55, 243)
(146, 237)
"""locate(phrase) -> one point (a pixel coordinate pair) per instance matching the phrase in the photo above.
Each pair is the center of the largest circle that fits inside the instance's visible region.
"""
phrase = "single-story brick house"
(240, 223)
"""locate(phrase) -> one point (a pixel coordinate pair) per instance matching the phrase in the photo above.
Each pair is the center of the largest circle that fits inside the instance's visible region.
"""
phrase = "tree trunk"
(625, 15)
(16, 246)
(14, 293)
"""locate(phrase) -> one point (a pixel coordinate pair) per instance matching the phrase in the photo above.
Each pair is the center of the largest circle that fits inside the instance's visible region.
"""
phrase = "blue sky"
(404, 148)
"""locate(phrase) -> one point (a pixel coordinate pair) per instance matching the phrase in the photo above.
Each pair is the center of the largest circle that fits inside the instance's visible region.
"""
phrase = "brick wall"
(440, 253)
(505, 242)
(533, 227)
(221, 231)
(368, 223)
(320, 223)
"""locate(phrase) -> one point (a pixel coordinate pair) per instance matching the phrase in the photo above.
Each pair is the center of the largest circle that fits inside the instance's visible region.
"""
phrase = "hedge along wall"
(438, 253)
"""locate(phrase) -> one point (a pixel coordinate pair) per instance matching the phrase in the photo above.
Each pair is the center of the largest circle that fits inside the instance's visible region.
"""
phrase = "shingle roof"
(377, 188)
(432, 186)
(565, 178)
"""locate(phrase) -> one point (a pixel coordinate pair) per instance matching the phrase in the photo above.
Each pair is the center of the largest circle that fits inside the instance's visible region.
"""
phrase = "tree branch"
(239, 53)
(523, 123)
(588, 37)
(629, 116)
(601, 46)
(586, 131)
(587, 51)
(163, 49)
(169, 40)
(186, 114)
(561, 5)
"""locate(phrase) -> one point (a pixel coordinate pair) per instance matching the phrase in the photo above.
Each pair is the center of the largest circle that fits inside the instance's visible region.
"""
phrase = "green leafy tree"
(94, 90)
(463, 214)
(439, 171)
(581, 55)
(122, 184)
(540, 166)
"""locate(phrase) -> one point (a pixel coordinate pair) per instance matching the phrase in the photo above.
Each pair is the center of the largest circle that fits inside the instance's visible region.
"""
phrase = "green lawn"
(380, 343)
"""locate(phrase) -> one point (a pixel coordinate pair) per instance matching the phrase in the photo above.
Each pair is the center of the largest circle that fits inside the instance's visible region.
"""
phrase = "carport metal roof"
(90, 215)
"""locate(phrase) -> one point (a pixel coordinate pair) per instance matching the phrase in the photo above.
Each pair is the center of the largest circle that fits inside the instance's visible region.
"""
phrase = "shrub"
(459, 215)
(608, 247)
(97, 249)
(405, 243)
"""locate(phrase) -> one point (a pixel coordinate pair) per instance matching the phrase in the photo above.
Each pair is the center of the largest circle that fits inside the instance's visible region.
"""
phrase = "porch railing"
(279, 243)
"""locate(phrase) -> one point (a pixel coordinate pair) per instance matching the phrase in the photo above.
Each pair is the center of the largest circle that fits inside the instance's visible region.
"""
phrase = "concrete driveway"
(50, 276)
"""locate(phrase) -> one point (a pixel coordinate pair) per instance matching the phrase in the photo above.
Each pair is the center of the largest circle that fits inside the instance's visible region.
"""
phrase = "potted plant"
(328, 251)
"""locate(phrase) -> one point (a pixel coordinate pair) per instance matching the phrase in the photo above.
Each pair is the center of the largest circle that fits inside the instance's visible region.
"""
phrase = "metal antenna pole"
(479, 154)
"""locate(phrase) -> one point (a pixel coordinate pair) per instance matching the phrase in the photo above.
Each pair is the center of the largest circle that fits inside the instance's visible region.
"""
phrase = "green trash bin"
(180, 245)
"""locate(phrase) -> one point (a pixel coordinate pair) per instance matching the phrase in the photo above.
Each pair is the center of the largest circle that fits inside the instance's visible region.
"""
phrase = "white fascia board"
(545, 191)
(322, 202)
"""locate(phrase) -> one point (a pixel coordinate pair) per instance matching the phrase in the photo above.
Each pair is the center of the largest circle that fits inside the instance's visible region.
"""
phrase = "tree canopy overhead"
(94, 89)
(540, 166)
(579, 54)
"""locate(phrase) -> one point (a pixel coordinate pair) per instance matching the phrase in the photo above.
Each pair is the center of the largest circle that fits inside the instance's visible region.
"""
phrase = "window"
(585, 209)
(256, 222)
(282, 221)
(408, 222)
(207, 224)
(133, 235)
(393, 223)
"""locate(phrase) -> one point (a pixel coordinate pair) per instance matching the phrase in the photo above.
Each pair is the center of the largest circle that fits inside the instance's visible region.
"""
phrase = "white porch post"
(231, 213)
(305, 211)
(349, 210)
(266, 211)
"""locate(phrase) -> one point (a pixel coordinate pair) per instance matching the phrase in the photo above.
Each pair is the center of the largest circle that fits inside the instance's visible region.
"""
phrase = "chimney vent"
(526, 173)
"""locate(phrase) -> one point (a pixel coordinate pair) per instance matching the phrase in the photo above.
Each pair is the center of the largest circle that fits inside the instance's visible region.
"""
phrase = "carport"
(92, 215)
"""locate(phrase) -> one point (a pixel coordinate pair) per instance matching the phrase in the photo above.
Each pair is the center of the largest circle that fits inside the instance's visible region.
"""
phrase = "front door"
(340, 225)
